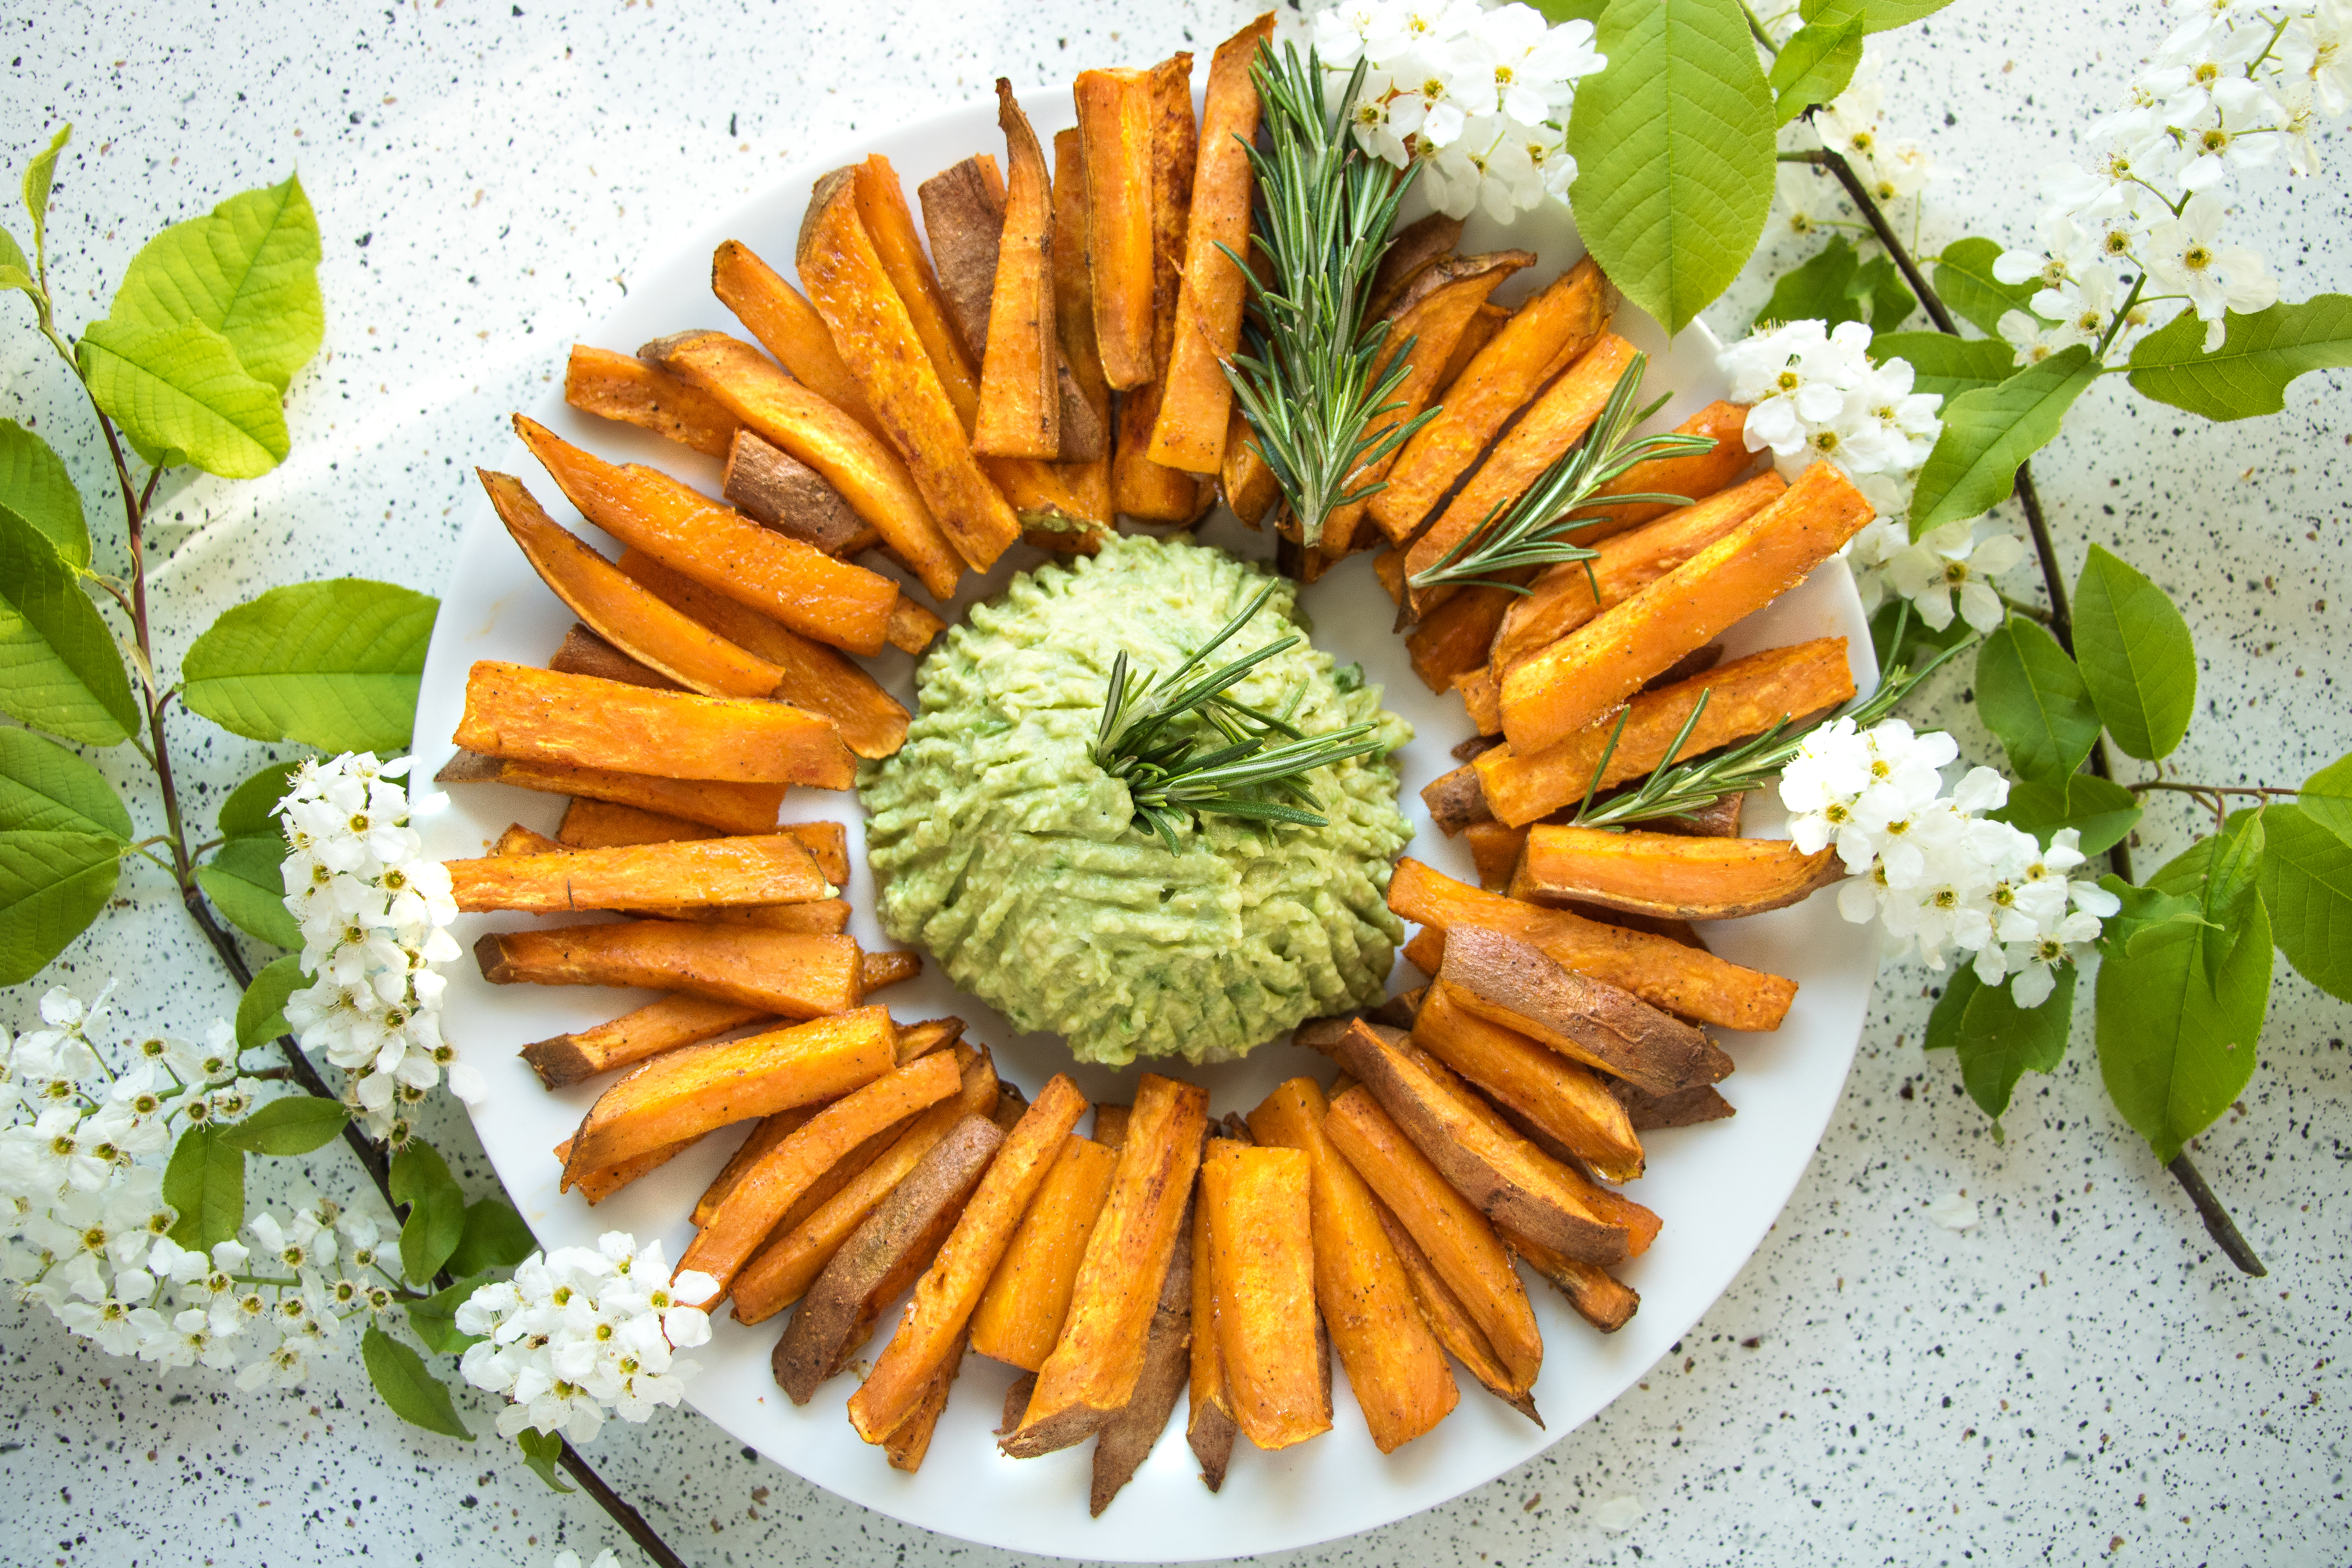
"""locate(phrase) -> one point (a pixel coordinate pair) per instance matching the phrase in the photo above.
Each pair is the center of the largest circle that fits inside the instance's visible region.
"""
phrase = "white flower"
(2187, 256)
(1952, 561)
(2035, 339)
(1808, 196)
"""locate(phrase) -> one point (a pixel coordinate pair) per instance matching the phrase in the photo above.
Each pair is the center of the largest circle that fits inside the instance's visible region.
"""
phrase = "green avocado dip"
(999, 845)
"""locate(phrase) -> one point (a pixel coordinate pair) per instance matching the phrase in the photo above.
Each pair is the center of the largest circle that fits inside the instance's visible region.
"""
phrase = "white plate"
(1718, 1187)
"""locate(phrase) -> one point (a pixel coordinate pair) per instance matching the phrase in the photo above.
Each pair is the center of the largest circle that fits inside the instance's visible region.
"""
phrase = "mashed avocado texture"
(1001, 847)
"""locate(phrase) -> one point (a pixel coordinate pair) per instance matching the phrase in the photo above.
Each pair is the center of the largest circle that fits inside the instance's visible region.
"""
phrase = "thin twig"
(2218, 1223)
(2264, 789)
(623, 1513)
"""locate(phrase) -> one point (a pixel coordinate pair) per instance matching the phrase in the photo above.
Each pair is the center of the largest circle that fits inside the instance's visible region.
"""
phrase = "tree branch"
(2218, 1223)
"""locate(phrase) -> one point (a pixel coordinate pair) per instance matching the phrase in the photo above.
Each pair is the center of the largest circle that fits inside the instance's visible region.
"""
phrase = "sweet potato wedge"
(809, 591)
(1671, 874)
(648, 1031)
(1685, 1108)
(949, 1290)
(1495, 850)
(773, 869)
(1599, 1297)
(913, 1440)
(889, 223)
(1139, 487)
(1562, 600)
(1093, 1368)
(1416, 248)
(856, 293)
(1110, 1125)
(1020, 382)
(1020, 1314)
(1568, 1104)
(1394, 1364)
(601, 1182)
(690, 1092)
(1595, 667)
(591, 824)
(1475, 338)
(1456, 1239)
(1743, 698)
(1442, 1314)
(1690, 474)
(1086, 462)
(621, 386)
(1513, 983)
(1455, 638)
(1127, 1437)
(783, 973)
(1208, 1425)
(1689, 982)
(1455, 801)
(1188, 430)
(1115, 124)
(1246, 481)
(765, 1134)
(829, 916)
(963, 220)
(776, 490)
(884, 1255)
(1258, 1203)
(818, 679)
(583, 652)
(788, 327)
(729, 807)
(537, 715)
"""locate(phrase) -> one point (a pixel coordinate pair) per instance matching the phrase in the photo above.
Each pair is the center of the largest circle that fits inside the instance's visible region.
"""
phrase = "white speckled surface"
(2082, 1372)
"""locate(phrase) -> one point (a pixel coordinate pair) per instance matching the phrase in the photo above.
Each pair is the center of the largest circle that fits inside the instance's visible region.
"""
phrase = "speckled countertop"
(2079, 1377)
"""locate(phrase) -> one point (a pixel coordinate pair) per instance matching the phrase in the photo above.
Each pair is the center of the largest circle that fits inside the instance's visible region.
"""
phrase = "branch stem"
(2218, 1223)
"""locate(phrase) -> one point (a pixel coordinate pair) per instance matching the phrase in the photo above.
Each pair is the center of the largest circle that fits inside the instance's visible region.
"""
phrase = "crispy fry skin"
(809, 591)
(1745, 697)
(1115, 114)
(621, 386)
(1417, 246)
(1110, 1125)
(856, 291)
(785, 973)
(1088, 476)
(591, 824)
(601, 1182)
(908, 1445)
(583, 652)
(765, 1191)
(729, 807)
(1455, 801)
(1139, 487)
(1195, 400)
(1693, 474)
(1209, 1427)
(963, 218)
(1562, 599)
(1442, 1311)
(1020, 385)
(1567, 1103)
(788, 327)
(539, 715)
(647, 1031)
(1393, 1363)
(883, 212)
(1020, 1314)
(1511, 982)
(816, 678)
(686, 1092)
(1599, 1297)
(778, 490)
(1458, 1242)
(1128, 1436)
(936, 1318)
(1659, 970)
(1256, 1204)
(1687, 1108)
(773, 869)
(1595, 667)
(1095, 1365)
(1672, 874)
(865, 472)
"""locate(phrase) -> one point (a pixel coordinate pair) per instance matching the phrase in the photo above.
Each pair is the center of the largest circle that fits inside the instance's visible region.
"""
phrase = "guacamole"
(999, 846)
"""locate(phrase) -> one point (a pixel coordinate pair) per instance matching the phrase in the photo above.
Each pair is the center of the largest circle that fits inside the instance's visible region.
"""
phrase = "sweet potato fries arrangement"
(1050, 361)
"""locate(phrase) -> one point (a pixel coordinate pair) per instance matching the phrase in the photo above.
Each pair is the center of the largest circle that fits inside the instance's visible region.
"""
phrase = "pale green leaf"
(2232, 871)
(1673, 142)
(34, 485)
(251, 809)
(495, 1237)
(1880, 296)
(2306, 884)
(1814, 65)
(2000, 1042)
(433, 1319)
(2248, 373)
(1921, 642)
(294, 1125)
(249, 271)
(45, 788)
(408, 1385)
(2326, 798)
(205, 1181)
(2149, 917)
(1559, 11)
(52, 885)
(39, 175)
(2031, 695)
(59, 671)
(2100, 810)
(1947, 365)
(1877, 15)
(1988, 432)
(15, 272)
(181, 396)
(261, 1011)
(436, 1209)
(1964, 281)
(2135, 655)
(243, 882)
(334, 665)
(542, 1452)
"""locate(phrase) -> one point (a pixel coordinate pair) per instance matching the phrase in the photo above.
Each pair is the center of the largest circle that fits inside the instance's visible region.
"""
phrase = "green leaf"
(1988, 432)
(334, 665)
(435, 1319)
(2260, 355)
(34, 485)
(1944, 364)
(15, 272)
(2307, 885)
(205, 1181)
(1816, 288)
(1814, 67)
(1963, 282)
(2031, 695)
(52, 885)
(2232, 867)
(295, 1125)
(495, 1237)
(2135, 655)
(242, 880)
(436, 1209)
(1880, 295)
(2326, 798)
(408, 1386)
(1877, 15)
(182, 398)
(542, 1451)
(59, 671)
(2000, 1042)
(39, 175)
(1921, 642)
(249, 271)
(261, 1011)
(251, 809)
(2150, 917)
(2101, 810)
(1675, 143)
(1944, 1018)
(2176, 1048)
(45, 788)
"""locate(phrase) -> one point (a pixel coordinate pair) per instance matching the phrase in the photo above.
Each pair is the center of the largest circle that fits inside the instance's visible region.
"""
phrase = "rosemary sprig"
(1532, 533)
(1227, 761)
(1307, 382)
(1689, 788)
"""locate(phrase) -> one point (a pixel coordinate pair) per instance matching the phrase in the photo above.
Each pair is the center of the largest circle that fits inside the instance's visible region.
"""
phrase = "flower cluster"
(1937, 873)
(375, 915)
(87, 1234)
(1853, 125)
(2235, 88)
(578, 1332)
(1481, 98)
